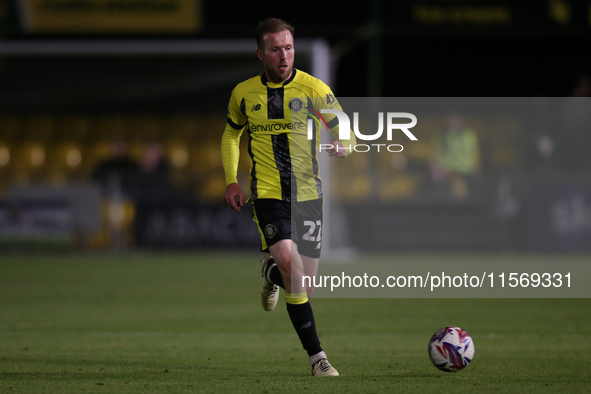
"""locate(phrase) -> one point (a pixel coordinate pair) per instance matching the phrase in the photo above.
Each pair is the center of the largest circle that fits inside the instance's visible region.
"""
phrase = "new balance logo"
(307, 325)
(255, 107)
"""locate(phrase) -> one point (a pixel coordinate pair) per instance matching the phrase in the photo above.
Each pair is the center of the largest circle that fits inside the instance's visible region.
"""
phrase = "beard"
(276, 75)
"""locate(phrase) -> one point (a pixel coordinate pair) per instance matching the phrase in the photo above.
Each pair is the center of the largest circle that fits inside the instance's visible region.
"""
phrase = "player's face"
(277, 56)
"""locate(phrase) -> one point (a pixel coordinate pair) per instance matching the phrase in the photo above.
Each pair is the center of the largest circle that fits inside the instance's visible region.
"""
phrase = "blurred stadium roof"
(409, 48)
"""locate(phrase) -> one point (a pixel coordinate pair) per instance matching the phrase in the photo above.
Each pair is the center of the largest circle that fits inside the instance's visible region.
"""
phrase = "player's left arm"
(338, 150)
(341, 148)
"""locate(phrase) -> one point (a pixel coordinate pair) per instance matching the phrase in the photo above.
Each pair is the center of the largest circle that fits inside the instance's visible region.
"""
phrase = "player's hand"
(233, 197)
(338, 151)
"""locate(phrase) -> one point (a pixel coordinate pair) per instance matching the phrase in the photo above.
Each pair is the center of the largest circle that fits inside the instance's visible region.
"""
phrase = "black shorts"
(298, 221)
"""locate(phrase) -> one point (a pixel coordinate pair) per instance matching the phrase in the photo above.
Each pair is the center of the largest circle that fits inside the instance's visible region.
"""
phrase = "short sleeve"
(236, 112)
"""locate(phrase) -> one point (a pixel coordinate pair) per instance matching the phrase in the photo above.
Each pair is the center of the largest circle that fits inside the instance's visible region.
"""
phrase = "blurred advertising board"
(35, 223)
(187, 225)
(491, 13)
(111, 16)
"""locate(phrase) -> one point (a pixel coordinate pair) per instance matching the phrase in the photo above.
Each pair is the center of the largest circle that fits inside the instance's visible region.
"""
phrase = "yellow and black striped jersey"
(284, 159)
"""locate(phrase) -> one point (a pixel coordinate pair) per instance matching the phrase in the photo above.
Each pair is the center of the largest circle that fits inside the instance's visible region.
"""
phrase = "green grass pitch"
(192, 323)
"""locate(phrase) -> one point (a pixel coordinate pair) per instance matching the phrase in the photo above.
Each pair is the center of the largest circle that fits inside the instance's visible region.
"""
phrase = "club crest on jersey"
(270, 231)
(296, 105)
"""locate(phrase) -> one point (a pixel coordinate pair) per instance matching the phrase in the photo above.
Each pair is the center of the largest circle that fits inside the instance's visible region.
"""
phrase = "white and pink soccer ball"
(451, 349)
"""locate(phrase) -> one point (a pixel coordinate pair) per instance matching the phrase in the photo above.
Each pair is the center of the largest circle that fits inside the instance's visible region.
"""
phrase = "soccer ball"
(451, 349)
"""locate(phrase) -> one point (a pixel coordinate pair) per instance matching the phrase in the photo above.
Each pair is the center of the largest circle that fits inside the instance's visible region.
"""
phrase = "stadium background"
(60, 114)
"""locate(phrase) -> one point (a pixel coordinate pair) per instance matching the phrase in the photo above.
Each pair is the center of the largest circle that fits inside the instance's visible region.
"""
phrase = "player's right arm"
(231, 152)
(230, 156)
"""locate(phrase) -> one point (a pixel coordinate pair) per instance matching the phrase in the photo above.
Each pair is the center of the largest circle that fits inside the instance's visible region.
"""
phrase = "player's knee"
(285, 269)
(282, 258)
(310, 291)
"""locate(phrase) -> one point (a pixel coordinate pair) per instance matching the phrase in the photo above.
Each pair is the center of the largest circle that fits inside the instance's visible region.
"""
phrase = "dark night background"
(531, 54)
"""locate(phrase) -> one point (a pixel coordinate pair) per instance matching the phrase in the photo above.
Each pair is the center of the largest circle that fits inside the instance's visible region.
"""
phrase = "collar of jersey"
(265, 82)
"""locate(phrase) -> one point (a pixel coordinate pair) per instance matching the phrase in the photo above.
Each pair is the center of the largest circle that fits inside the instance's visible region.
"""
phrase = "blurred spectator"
(115, 174)
(152, 178)
(456, 157)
